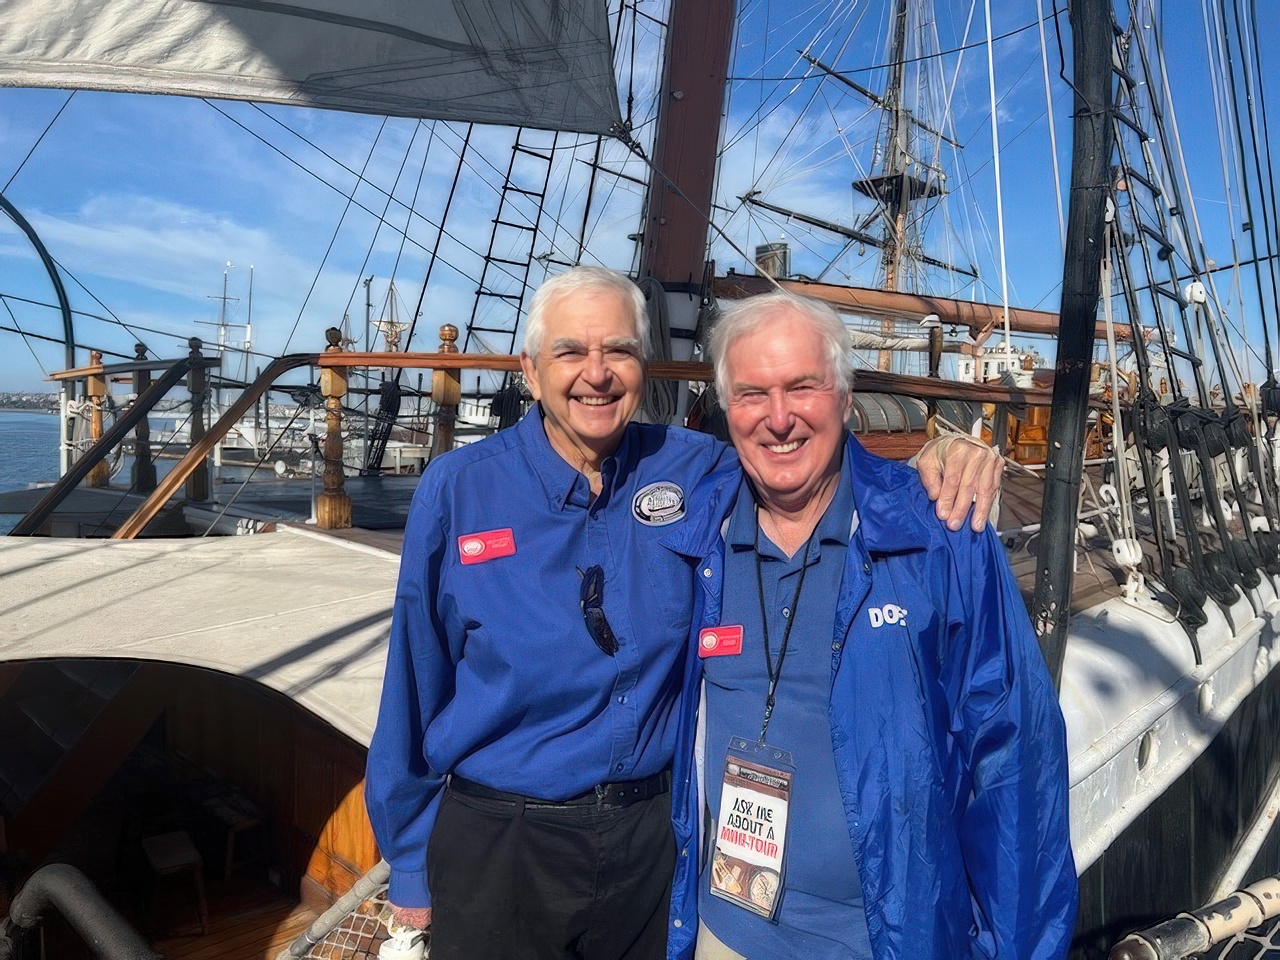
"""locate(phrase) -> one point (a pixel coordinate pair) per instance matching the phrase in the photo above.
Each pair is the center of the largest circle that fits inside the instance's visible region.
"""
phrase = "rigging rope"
(995, 155)
(1257, 168)
(18, 327)
(1127, 551)
(1053, 133)
(333, 187)
(435, 250)
(1256, 63)
(1227, 80)
(333, 239)
(47, 128)
(893, 63)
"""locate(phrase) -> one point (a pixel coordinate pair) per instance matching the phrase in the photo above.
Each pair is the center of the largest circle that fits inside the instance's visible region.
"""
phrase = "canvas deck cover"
(540, 63)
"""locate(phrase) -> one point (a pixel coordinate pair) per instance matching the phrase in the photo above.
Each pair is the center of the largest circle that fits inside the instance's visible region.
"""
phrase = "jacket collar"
(882, 514)
(884, 490)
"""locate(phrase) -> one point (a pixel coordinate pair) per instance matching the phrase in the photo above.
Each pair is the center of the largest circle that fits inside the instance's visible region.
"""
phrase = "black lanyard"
(774, 673)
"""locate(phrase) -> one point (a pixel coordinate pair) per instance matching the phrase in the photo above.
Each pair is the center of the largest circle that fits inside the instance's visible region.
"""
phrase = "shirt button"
(618, 768)
(836, 647)
(622, 699)
(866, 567)
(706, 571)
(786, 612)
(677, 923)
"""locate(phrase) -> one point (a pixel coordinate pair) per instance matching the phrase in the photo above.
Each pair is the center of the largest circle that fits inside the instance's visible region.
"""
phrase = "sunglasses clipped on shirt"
(592, 603)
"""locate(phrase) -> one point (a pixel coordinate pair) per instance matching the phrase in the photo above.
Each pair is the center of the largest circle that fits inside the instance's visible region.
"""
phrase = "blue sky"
(144, 199)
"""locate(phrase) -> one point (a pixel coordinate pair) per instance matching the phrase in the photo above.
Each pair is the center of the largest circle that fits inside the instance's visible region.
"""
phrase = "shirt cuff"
(408, 888)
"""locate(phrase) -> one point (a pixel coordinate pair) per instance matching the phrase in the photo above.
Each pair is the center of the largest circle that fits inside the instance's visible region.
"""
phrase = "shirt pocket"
(667, 579)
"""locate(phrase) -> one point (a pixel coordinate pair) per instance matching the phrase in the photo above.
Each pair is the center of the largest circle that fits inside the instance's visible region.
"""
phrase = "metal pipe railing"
(97, 922)
(1190, 934)
(367, 886)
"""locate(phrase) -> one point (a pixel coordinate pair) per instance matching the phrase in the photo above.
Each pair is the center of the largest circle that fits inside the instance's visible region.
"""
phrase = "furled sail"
(539, 63)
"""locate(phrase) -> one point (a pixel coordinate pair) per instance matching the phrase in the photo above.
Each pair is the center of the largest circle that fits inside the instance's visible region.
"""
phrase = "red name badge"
(489, 545)
(722, 641)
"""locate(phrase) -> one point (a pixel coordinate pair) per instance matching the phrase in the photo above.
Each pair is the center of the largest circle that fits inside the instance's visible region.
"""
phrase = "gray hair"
(573, 280)
(747, 316)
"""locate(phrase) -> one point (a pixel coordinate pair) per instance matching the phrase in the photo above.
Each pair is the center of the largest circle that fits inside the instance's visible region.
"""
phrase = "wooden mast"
(699, 33)
(1091, 30)
(898, 197)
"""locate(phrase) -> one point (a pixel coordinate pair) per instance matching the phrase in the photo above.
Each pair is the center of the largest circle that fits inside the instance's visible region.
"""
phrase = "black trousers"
(513, 881)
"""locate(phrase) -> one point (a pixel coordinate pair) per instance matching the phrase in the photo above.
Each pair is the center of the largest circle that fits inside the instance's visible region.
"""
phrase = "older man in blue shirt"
(518, 778)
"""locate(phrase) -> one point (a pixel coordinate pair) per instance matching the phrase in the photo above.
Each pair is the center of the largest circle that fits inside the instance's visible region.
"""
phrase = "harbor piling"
(198, 384)
(144, 468)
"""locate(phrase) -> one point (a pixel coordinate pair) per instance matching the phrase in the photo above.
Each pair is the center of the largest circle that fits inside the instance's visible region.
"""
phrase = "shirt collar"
(559, 479)
(836, 524)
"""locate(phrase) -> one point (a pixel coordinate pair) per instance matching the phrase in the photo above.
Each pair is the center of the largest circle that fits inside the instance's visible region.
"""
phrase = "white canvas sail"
(542, 63)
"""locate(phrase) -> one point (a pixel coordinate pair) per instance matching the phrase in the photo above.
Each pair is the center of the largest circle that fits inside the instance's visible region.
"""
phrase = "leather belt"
(621, 794)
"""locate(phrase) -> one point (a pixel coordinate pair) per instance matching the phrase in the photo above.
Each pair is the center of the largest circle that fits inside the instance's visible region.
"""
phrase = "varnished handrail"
(116, 369)
(198, 451)
(866, 381)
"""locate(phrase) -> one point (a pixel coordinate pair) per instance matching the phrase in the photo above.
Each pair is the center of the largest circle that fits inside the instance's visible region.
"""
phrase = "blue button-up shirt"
(491, 673)
(821, 913)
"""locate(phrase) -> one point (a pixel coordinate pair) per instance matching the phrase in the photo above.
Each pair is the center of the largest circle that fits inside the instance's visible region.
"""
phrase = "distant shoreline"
(47, 413)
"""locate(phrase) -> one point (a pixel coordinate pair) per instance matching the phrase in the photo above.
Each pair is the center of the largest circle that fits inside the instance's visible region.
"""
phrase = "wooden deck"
(1098, 577)
(244, 924)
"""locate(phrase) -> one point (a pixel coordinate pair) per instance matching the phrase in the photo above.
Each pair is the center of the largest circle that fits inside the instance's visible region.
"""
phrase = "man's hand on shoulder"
(958, 471)
(413, 918)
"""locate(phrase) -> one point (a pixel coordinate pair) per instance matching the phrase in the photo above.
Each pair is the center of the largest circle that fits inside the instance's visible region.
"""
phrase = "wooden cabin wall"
(308, 777)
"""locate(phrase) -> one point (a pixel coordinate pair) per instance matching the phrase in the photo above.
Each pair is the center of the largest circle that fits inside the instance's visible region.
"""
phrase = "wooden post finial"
(333, 506)
(448, 338)
(446, 391)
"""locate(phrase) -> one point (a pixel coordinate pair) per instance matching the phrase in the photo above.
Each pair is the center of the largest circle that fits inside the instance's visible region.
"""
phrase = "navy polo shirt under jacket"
(821, 913)
(491, 673)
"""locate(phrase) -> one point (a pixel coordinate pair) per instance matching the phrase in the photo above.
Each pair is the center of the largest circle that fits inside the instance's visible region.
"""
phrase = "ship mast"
(678, 208)
(897, 199)
(895, 186)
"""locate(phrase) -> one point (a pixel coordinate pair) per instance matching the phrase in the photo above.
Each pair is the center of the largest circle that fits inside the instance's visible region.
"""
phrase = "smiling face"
(588, 374)
(786, 411)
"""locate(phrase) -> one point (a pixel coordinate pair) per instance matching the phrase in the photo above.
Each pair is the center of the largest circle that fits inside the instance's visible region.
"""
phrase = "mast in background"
(896, 185)
(1091, 31)
(685, 148)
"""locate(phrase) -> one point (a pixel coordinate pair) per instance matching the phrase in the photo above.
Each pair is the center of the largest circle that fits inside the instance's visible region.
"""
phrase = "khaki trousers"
(710, 948)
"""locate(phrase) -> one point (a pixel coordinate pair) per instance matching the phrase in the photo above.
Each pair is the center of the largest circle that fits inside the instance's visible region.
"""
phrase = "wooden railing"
(333, 506)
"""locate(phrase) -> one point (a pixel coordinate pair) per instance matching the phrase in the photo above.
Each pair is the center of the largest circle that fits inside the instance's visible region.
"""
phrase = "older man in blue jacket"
(882, 765)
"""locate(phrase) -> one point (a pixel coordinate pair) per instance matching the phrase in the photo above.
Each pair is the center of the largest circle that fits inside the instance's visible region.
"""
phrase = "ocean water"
(28, 452)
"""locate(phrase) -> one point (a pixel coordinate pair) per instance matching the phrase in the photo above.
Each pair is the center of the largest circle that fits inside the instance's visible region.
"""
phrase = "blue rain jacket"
(950, 747)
